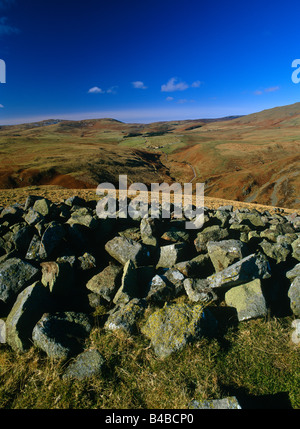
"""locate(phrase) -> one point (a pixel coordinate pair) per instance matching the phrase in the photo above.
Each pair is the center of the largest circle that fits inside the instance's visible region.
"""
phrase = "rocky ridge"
(60, 262)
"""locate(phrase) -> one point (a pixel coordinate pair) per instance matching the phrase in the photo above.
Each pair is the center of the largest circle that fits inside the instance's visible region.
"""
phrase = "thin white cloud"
(196, 84)
(170, 98)
(1, 106)
(112, 90)
(139, 84)
(96, 90)
(270, 89)
(173, 85)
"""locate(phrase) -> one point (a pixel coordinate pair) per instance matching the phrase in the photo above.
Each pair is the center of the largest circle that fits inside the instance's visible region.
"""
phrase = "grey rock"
(176, 279)
(125, 316)
(61, 335)
(160, 290)
(87, 262)
(87, 364)
(33, 251)
(26, 311)
(243, 271)
(198, 267)
(294, 272)
(248, 300)
(171, 254)
(295, 337)
(148, 231)
(176, 235)
(210, 233)
(2, 332)
(32, 217)
(51, 239)
(294, 295)
(175, 325)
(254, 219)
(42, 206)
(296, 249)
(229, 403)
(198, 290)
(276, 251)
(83, 216)
(122, 249)
(106, 282)
(226, 252)
(15, 275)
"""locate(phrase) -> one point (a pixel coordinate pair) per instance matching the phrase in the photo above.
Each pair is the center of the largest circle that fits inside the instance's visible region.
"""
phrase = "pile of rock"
(59, 262)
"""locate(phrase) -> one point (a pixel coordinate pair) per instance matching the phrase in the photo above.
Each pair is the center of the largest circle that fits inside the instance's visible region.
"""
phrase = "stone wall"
(59, 262)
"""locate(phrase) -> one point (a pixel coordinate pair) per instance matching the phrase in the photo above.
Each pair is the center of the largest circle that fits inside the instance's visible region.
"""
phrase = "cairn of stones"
(59, 262)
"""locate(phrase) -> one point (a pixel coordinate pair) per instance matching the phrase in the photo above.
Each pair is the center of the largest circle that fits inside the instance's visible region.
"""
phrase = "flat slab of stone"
(15, 275)
(122, 249)
(248, 300)
(229, 403)
(107, 282)
(247, 269)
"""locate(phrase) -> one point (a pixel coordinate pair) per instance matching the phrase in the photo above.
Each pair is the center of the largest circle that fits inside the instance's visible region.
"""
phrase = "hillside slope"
(254, 158)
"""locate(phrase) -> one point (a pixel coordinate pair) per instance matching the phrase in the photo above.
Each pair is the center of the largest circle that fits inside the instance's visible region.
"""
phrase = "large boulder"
(210, 233)
(51, 239)
(106, 282)
(247, 269)
(15, 275)
(171, 254)
(226, 252)
(294, 295)
(31, 303)
(61, 335)
(122, 249)
(173, 326)
(248, 300)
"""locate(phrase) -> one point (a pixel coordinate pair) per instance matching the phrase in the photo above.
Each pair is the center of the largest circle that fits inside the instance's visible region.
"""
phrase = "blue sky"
(146, 60)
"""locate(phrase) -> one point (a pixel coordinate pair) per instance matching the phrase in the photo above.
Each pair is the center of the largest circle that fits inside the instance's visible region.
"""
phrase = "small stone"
(129, 284)
(107, 282)
(87, 364)
(124, 317)
(296, 332)
(2, 332)
(230, 403)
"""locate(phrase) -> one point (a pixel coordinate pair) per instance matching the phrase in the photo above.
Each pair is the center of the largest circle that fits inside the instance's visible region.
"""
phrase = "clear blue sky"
(146, 60)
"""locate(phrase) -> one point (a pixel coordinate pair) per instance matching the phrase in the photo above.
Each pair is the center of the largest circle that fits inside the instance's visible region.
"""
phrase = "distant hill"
(253, 158)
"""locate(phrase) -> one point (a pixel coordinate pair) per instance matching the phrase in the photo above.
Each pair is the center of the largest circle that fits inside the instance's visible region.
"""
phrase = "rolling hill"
(254, 158)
